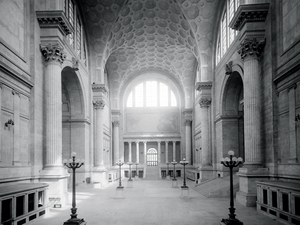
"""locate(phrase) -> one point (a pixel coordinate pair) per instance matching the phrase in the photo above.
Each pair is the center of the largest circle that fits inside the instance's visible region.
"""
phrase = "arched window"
(226, 34)
(152, 157)
(151, 94)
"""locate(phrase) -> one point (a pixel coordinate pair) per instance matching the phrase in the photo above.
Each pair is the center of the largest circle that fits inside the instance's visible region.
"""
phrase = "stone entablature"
(249, 13)
(54, 19)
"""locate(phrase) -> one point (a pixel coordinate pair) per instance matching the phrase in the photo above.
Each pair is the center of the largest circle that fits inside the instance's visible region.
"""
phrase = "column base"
(231, 222)
(75, 221)
(57, 179)
(206, 173)
(99, 177)
(168, 177)
(248, 176)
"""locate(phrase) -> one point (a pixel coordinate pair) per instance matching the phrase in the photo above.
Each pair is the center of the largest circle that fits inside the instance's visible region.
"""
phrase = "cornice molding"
(54, 19)
(99, 88)
(249, 13)
(203, 85)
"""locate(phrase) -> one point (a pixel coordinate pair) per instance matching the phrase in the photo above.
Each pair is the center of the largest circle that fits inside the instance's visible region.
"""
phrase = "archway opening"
(152, 157)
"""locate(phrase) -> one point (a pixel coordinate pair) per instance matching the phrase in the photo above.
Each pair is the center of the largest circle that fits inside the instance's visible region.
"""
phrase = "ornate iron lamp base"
(231, 222)
(75, 221)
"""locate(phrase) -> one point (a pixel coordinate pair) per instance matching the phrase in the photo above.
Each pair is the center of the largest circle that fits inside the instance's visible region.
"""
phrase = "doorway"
(152, 157)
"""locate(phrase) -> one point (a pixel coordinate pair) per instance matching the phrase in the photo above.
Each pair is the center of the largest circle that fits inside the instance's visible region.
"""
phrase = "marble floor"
(151, 202)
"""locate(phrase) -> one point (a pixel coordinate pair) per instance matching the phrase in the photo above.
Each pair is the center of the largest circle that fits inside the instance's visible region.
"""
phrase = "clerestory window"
(151, 94)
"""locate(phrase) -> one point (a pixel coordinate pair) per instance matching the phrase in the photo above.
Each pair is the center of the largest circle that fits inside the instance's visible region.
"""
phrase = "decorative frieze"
(204, 102)
(251, 48)
(99, 88)
(99, 104)
(53, 52)
(203, 86)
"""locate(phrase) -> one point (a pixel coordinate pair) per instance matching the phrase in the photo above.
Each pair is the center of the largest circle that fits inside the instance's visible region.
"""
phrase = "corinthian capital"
(99, 104)
(204, 102)
(116, 123)
(251, 48)
(53, 53)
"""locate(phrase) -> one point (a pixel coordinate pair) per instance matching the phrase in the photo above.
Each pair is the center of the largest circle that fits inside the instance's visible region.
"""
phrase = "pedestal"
(75, 221)
(206, 173)
(231, 222)
(184, 192)
(130, 183)
(168, 177)
(174, 183)
(120, 192)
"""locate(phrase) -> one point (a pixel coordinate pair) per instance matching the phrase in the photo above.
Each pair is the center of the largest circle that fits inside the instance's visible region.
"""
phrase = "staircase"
(152, 173)
(218, 187)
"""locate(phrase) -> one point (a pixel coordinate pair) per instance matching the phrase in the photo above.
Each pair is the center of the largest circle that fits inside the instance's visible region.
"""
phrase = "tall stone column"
(130, 152)
(188, 140)
(0, 114)
(292, 116)
(167, 151)
(99, 106)
(250, 51)
(206, 154)
(145, 153)
(137, 152)
(116, 125)
(54, 57)
(174, 150)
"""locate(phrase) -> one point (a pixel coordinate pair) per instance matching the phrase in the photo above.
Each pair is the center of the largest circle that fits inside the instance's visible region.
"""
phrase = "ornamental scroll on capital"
(53, 53)
(187, 122)
(116, 123)
(251, 48)
(204, 102)
(99, 104)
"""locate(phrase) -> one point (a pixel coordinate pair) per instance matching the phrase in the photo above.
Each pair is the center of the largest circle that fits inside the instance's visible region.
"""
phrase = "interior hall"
(149, 112)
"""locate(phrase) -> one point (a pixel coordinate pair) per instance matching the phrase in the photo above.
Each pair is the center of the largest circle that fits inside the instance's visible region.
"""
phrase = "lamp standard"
(167, 168)
(129, 163)
(174, 176)
(74, 164)
(120, 179)
(136, 171)
(184, 163)
(231, 162)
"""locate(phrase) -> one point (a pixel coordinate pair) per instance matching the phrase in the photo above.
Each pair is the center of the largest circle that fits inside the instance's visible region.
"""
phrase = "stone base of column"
(99, 177)
(206, 173)
(168, 177)
(247, 195)
(57, 179)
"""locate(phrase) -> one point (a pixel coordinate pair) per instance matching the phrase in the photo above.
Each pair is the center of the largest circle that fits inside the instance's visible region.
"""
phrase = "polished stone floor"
(151, 202)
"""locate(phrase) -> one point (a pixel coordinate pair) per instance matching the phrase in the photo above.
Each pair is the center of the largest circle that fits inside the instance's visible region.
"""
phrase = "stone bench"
(279, 199)
(21, 203)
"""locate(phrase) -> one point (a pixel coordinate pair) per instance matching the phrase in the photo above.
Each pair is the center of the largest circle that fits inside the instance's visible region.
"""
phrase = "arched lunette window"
(151, 94)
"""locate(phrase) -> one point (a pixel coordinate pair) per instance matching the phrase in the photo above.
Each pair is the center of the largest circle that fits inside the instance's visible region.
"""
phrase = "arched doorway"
(152, 157)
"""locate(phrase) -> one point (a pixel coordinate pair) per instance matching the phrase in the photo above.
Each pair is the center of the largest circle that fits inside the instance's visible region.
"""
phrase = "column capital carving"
(99, 104)
(251, 48)
(186, 123)
(53, 52)
(116, 123)
(204, 102)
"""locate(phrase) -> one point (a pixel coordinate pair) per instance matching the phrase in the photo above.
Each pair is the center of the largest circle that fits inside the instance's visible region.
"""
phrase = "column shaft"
(130, 152)
(252, 111)
(167, 153)
(292, 116)
(206, 157)
(159, 151)
(188, 140)
(137, 152)
(116, 142)
(99, 105)
(174, 150)
(145, 153)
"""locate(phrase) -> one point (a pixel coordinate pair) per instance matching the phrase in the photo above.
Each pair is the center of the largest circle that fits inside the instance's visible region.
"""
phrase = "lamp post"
(120, 179)
(74, 164)
(231, 162)
(167, 169)
(174, 176)
(184, 163)
(136, 171)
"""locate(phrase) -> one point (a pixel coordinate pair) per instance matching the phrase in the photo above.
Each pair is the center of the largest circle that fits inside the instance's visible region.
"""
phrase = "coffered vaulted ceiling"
(130, 37)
